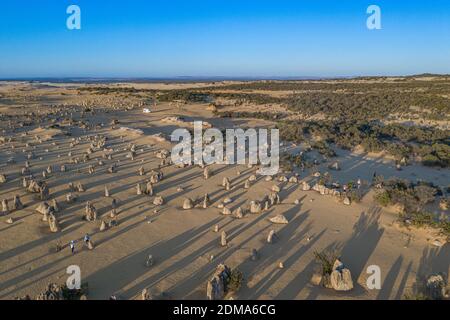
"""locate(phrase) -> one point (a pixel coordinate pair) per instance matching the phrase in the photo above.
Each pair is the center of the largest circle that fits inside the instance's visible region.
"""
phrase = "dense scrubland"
(355, 112)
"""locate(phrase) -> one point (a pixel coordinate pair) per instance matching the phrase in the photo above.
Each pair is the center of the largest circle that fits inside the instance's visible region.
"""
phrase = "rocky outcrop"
(216, 287)
(341, 278)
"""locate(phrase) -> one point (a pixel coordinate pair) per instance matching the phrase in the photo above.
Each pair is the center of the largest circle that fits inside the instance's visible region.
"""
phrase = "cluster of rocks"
(49, 215)
(340, 278)
(189, 203)
(217, 286)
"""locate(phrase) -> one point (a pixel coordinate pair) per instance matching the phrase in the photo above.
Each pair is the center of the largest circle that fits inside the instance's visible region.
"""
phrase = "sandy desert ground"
(183, 241)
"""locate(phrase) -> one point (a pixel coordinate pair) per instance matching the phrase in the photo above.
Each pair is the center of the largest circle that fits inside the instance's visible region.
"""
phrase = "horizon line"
(210, 78)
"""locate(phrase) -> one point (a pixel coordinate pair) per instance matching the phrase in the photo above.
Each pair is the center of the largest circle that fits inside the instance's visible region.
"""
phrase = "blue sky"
(167, 38)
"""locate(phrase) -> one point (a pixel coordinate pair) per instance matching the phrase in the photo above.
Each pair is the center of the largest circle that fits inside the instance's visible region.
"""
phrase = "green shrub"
(383, 198)
(326, 260)
(236, 280)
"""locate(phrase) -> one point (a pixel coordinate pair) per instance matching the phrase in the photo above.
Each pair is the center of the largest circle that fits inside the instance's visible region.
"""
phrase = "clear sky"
(261, 38)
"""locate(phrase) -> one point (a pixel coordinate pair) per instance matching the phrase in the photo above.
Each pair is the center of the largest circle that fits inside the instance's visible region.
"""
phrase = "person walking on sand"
(72, 246)
(87, 238)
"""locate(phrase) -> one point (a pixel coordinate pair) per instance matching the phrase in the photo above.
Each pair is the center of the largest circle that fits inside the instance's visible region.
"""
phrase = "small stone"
(188, 204)
(279, 219)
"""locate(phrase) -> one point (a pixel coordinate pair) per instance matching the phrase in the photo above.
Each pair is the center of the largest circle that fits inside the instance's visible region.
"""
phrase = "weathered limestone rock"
(266, 205)
(154, 179)
(347, 201)
(271, 237)
(91, 212)
(255, 207)
(188, 204)
(53, 223)
(113, 213)
(162, 154)
(146, 295)
(24, 182)
(217, 285)
(293, 179)
(341, 278)
(80, 187)
(274, 198)
(206, 173)
(279, 219)
(44, 208)
(226, 211)
(306, 186)
(206, 201)
(149, 189)
(70, 198)
(276, 188)
(90, 245)
(55, 205)
(3, 178)
(238, 213)
(103, 226)
(158, 201)
(5, 206)
(138, 189)
(252, 178)
(34, 186)
(223, 239)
